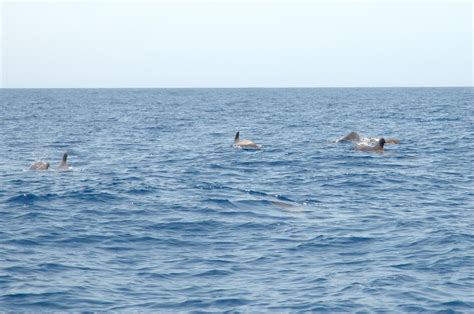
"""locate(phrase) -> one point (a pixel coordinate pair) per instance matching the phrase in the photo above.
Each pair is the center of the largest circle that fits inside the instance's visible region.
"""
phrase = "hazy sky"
(258, 43)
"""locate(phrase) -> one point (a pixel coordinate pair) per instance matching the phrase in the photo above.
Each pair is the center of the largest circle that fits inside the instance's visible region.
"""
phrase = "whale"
(40, 165)
(351, 137)
(246, 144)
(63, 165)
(356, 138)
(43, 165)
(378, 147)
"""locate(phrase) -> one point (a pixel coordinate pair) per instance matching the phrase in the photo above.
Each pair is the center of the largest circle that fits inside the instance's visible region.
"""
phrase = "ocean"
(160, 213)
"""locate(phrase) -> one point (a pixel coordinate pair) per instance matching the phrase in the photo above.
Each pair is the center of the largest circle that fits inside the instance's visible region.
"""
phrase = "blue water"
(161, 213)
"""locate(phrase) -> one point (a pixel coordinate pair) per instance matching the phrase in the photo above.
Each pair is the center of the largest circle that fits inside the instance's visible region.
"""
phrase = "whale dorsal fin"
(237, 137)
(64, 161)
(381, 142)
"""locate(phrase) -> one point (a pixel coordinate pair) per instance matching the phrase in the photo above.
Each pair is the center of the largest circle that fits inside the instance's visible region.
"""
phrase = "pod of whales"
(365, 144)
(246, 144)
(43, 165)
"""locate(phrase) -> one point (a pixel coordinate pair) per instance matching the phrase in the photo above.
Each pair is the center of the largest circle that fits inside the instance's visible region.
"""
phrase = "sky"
(236, 43)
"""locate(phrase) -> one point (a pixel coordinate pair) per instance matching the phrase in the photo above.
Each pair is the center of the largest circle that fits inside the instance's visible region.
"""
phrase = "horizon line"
(247, 87)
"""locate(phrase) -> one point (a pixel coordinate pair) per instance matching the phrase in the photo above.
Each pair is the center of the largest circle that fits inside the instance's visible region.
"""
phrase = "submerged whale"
(244, 143)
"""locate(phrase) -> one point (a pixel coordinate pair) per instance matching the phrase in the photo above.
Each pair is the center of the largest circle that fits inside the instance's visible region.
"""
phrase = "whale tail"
(237, 137)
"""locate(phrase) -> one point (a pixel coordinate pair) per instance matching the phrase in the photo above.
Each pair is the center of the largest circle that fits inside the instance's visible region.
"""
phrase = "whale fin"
(381, 142)
(63, 164)
(237, 137)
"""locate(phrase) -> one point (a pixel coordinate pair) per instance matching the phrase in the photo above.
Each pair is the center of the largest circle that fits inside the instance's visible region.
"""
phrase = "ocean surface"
(160, 213)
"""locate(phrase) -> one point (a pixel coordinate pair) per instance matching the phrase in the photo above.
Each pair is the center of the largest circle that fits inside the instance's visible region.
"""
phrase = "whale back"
(378, 147)
(351, 137)
(392, 141)
(40, 165)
